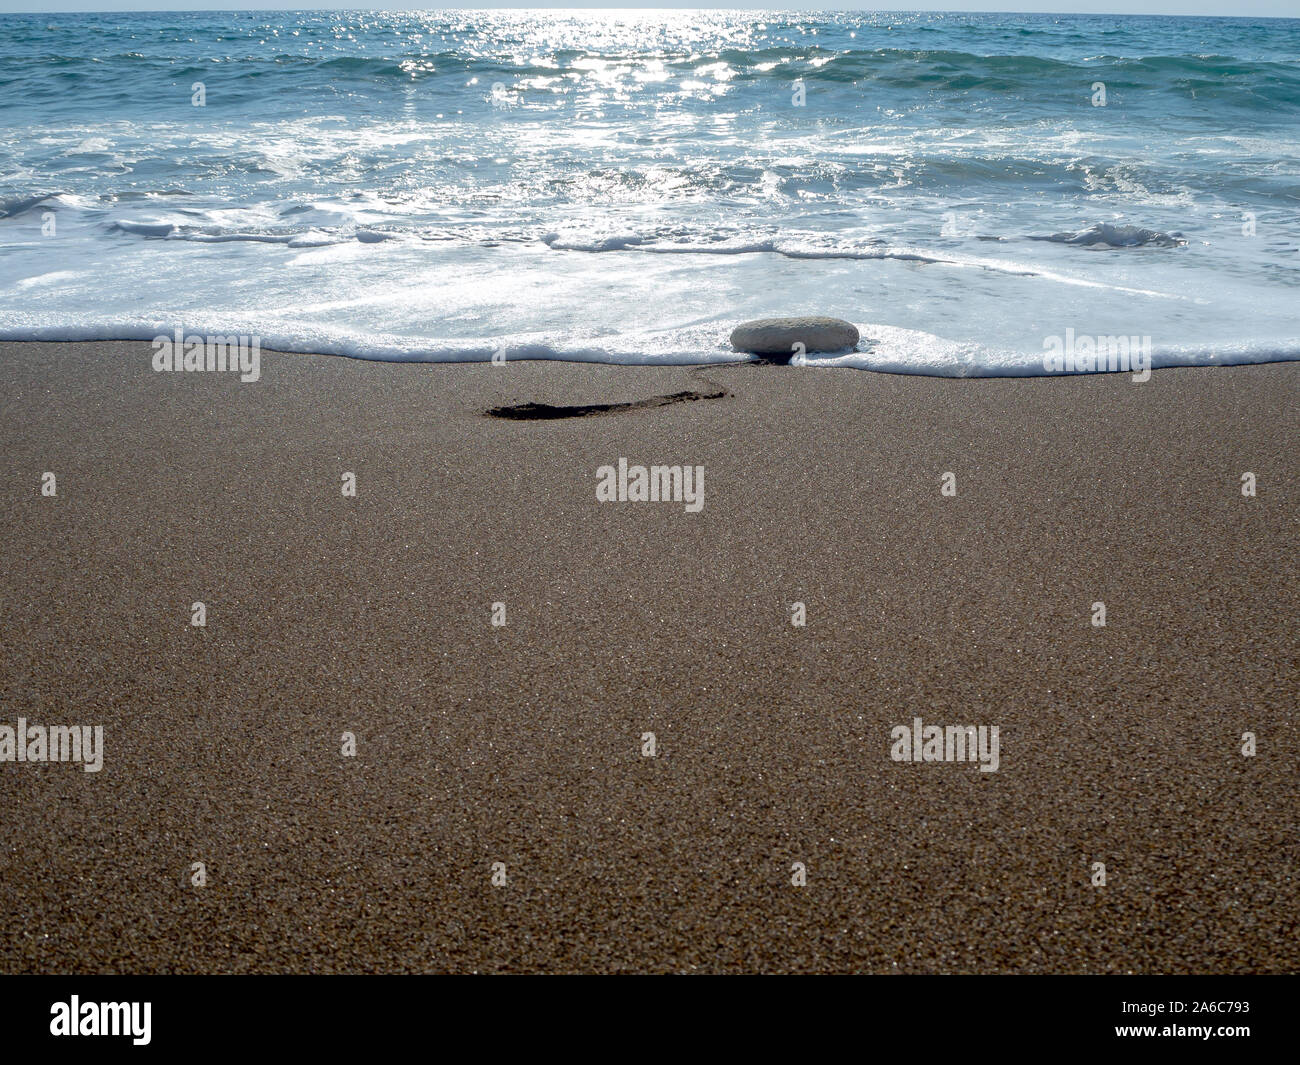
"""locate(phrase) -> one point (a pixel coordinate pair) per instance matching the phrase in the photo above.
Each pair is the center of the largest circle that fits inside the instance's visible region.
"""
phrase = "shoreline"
(900, 362)
(524, 744)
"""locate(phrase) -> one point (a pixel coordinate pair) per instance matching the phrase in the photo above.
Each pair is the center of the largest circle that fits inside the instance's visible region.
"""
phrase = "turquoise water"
(627, 186)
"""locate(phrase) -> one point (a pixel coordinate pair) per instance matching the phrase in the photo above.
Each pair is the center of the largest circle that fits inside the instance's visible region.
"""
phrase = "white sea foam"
(333, 292)
(884, 348)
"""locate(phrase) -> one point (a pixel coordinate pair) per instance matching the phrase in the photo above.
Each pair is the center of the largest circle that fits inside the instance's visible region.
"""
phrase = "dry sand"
(522, 744)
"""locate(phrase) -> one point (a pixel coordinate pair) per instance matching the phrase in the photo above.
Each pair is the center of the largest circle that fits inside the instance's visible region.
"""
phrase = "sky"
(1251, 8)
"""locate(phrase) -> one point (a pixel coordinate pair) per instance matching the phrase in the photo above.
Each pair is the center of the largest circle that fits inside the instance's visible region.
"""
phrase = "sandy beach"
(522, 744)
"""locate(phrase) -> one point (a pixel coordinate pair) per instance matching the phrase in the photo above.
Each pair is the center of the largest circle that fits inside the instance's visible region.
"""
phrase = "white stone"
(780, 337)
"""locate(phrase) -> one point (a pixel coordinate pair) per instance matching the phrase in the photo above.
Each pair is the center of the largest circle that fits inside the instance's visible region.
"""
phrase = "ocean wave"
(142, 229)
(811, 247)
(310, 238)
(678, 240)
(1109, 235)
(723, 245)
(12, 208)
(1261, 84)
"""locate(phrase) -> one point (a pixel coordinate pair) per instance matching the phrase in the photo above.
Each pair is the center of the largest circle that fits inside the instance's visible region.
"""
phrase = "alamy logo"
(651, 484)
(240, 354)
(55, 743)
(102, 1018)
(1081, 353)
(951, 743)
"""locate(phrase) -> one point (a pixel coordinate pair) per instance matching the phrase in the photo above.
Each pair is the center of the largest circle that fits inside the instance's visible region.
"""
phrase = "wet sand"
(522, 744)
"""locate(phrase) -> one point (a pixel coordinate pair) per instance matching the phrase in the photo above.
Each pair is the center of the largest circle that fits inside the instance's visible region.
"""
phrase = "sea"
(627, 186)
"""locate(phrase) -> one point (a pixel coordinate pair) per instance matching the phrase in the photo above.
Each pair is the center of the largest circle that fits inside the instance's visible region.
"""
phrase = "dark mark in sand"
(532, 412)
